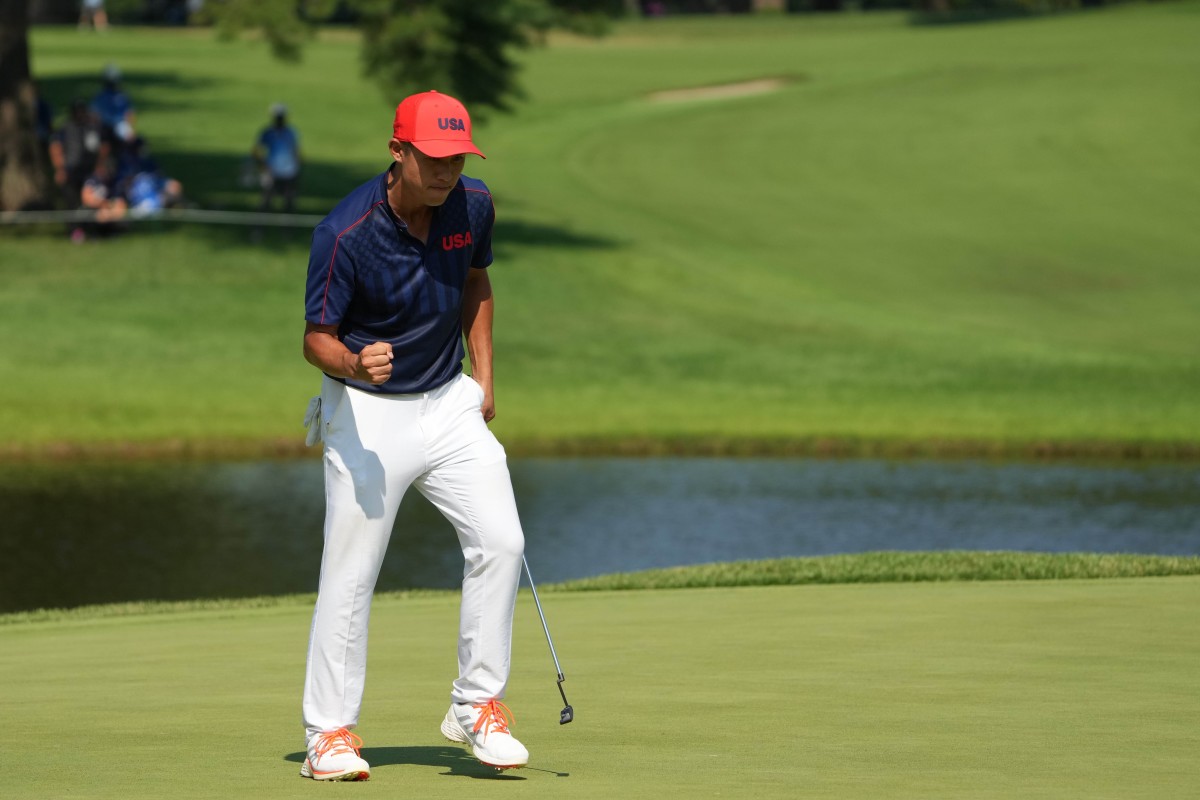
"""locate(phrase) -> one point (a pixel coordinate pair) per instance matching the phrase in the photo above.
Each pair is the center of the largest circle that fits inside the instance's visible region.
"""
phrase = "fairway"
(1043, 689)
(970, 238)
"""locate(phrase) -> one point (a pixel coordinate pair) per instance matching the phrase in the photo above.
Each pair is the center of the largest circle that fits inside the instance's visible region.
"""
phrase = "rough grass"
(895, 567)
(876, 567)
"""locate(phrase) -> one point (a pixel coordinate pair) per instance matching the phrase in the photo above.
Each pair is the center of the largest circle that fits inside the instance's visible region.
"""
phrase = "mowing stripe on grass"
(976, 239)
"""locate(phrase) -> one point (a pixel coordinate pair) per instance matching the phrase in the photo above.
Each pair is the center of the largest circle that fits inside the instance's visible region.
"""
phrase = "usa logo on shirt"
(457, 240)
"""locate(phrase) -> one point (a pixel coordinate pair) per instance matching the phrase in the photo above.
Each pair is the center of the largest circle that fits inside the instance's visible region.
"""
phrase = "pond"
(96, 533)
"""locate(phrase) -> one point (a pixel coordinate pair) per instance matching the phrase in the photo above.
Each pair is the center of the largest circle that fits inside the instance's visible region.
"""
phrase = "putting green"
(1049, 689)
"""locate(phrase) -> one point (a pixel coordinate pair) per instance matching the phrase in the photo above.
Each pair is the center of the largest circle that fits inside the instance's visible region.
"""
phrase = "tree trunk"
(24, 181)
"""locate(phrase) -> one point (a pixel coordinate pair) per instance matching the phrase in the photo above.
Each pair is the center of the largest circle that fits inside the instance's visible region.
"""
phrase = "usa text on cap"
(436, 124)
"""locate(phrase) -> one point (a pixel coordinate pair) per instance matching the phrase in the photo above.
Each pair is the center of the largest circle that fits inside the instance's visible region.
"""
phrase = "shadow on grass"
(61, 89)
(212, 180)
(455, 760)
(510, 236)
(1001, 11)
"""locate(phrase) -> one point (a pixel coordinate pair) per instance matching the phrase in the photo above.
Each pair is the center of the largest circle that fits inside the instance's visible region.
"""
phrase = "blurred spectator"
(141, 182)
(76, 148)
(112, 105)
(101, 193)
(277, 154)
(92, 14)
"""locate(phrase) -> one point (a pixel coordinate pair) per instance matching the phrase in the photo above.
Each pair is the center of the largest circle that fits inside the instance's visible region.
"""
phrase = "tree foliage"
(458, 44)
(464, 47)
(285, 24)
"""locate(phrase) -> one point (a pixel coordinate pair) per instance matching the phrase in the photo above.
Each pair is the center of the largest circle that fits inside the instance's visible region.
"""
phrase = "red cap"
(436, 124)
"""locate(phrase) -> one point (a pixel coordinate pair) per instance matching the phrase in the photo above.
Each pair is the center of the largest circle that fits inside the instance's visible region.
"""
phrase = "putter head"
(566, 715)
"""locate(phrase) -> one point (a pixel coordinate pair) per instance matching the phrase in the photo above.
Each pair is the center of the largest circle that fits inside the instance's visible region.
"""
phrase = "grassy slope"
(929, 236)
(1055, 689)
(978, 233)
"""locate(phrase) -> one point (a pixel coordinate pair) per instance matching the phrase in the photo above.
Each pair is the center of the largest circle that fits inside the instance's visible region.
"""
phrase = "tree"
(464, 47)
(461, 45)
(24, 179)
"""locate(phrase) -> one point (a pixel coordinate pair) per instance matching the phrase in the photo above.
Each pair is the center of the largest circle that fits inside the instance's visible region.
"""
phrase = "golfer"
(397, 277)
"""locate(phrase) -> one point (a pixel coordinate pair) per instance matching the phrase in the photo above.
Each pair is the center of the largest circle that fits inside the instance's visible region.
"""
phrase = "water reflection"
(76, 534)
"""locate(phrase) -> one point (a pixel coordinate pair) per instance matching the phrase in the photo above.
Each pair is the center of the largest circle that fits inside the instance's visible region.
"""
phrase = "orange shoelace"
(337, 742)
(493, 714)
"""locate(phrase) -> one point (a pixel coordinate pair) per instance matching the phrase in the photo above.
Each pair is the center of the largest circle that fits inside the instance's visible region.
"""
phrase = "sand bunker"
(718, 92)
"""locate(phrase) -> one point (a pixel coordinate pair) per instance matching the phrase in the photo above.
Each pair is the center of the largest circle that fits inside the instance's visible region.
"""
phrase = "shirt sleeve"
(330, 279)
(483, 247)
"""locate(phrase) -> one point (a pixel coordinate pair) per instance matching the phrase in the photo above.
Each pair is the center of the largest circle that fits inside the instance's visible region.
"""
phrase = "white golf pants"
(376, 446)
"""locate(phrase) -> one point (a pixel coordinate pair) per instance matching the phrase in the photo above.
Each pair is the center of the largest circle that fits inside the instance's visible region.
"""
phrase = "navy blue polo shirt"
(374, 280)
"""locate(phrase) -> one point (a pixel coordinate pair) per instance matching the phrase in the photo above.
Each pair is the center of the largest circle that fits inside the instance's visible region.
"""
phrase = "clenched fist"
(373, 364)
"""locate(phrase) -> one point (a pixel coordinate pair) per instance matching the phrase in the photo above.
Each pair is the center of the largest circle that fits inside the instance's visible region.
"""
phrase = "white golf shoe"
(484, 726)
(334, 756)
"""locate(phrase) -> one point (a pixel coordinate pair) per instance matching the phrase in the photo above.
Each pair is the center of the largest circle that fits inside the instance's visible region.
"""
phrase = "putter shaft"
(542, 616)
(568, 713)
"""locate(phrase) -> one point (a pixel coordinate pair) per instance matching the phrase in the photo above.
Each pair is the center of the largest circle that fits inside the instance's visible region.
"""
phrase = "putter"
(567, 713)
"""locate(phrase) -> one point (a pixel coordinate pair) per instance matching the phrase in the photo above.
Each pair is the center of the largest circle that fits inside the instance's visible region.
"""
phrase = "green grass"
(1045, 689)
(932, 239)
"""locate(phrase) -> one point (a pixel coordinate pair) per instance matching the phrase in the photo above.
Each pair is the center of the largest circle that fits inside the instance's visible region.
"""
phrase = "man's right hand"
(373, 364)
(323, 349)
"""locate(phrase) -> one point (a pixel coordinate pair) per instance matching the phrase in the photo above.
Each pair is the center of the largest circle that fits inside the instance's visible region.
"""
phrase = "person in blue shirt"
(113, 105)
(277, 153)
(102, 194)
(142, 183)
(397, 278)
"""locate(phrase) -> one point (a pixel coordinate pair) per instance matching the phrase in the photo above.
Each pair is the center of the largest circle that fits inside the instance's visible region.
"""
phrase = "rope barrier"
(194, 215)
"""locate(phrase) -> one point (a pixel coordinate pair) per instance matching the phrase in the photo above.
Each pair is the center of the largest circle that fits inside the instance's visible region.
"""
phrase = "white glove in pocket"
(313, 422)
